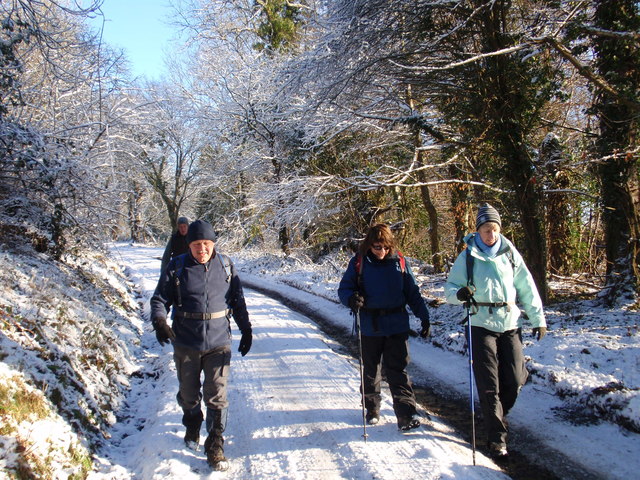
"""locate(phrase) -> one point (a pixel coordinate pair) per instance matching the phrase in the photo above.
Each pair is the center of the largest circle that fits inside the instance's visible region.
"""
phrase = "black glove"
(539, 332)
(164, 333)
(245, 342)
(356, 301)
(464, 294)
(425, 331)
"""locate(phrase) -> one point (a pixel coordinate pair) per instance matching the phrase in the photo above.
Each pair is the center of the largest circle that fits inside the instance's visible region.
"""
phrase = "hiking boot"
(213, 446)
(373, 417)
(217, 461)
(192, 437)
(409, 423)
(498, 451)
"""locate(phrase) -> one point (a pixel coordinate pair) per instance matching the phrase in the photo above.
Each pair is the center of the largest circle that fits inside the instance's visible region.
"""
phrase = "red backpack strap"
(403, 263)
(358, 270)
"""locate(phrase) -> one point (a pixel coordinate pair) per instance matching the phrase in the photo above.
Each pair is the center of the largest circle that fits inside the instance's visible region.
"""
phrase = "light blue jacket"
(496, 280)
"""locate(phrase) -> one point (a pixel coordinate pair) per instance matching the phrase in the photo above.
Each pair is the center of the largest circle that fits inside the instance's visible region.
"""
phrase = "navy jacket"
(384, 287)
(203, 289)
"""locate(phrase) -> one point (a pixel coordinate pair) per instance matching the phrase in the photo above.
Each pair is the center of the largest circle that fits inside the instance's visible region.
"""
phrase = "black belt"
(376, 312)
(201, 316)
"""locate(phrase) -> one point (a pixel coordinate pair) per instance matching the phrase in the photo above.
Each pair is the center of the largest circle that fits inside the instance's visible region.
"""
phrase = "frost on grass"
(68, 338)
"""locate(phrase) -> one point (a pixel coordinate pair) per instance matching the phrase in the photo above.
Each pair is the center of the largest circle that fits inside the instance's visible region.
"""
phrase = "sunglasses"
(377, 248)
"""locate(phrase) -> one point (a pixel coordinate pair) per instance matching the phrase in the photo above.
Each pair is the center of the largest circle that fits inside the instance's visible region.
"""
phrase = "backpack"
(176, 273)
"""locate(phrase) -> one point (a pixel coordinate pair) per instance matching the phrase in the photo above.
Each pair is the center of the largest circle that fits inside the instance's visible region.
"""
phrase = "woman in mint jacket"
(499, 278)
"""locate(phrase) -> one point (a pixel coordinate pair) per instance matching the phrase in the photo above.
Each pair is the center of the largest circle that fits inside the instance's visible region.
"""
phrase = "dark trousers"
(392, 354)
(190, 364)
(499, 371)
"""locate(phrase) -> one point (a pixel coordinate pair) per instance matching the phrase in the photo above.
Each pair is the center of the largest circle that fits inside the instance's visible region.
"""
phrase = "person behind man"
(204, 289)
(499, 276)
(379, 284)
(177, 244)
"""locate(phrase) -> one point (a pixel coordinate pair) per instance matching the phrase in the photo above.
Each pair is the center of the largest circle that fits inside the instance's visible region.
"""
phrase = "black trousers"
(391, 353)
(500, 372)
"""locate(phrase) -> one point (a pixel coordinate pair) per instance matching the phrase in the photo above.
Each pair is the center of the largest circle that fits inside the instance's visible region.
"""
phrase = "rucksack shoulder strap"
(175, 274)
(403, 262)
(226, 264)
(469, 259)
(358, 266)
(178, 266)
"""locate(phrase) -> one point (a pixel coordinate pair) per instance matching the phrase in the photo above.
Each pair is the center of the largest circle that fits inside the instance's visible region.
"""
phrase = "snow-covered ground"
(294, 401)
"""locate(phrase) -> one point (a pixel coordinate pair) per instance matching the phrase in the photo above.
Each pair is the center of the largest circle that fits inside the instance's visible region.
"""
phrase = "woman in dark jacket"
(379, 284)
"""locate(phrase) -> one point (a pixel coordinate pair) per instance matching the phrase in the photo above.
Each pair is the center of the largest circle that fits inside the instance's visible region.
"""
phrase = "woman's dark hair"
(379, 233)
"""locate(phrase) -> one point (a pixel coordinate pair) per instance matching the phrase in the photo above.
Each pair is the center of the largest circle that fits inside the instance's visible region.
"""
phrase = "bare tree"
(51, 125)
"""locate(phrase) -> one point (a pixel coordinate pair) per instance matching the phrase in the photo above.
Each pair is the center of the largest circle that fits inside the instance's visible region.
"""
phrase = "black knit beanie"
(200, 230)
(486, 213)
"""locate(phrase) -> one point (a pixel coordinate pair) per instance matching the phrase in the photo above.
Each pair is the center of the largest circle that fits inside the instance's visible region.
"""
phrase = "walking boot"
(373, 417)
(409, 423)
(214, 443)
(498, 451)
(192, 419)
(213, 447)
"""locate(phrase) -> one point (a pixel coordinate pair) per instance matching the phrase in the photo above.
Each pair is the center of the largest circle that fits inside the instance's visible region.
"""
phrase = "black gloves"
(164, 333)
(245, 342)
(464, 294)
(539, 332)
(425, 331)
(356, 301)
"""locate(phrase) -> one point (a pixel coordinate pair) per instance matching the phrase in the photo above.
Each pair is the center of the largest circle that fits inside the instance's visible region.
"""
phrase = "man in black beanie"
(204, 290)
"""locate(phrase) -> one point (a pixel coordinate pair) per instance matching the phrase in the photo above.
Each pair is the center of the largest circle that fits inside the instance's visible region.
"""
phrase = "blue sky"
(140, 28)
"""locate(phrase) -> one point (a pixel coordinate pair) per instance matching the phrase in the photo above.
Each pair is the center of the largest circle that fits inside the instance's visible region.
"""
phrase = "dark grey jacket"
(177, 245)
(203, 289)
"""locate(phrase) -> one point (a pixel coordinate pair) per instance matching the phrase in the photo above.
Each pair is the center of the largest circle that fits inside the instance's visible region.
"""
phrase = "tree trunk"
(557, 207)
(425, 195)
(134, 211)
(504, 90)
(529, 201)
(618, 59)
(460, 210)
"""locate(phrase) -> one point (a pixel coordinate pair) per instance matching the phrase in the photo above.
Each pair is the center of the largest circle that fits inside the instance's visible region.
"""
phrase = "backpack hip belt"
(377, 312)
(493, 305)
(201, 316)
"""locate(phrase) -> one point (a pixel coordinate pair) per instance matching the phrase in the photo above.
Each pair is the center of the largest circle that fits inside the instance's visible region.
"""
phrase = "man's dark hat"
(200, 230)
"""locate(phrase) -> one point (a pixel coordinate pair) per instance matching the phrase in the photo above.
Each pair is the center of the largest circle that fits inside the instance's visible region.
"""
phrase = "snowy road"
(294, 412)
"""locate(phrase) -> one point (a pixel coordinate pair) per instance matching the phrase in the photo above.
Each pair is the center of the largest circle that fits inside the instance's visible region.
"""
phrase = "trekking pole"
(364, 421)
(473, 410)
